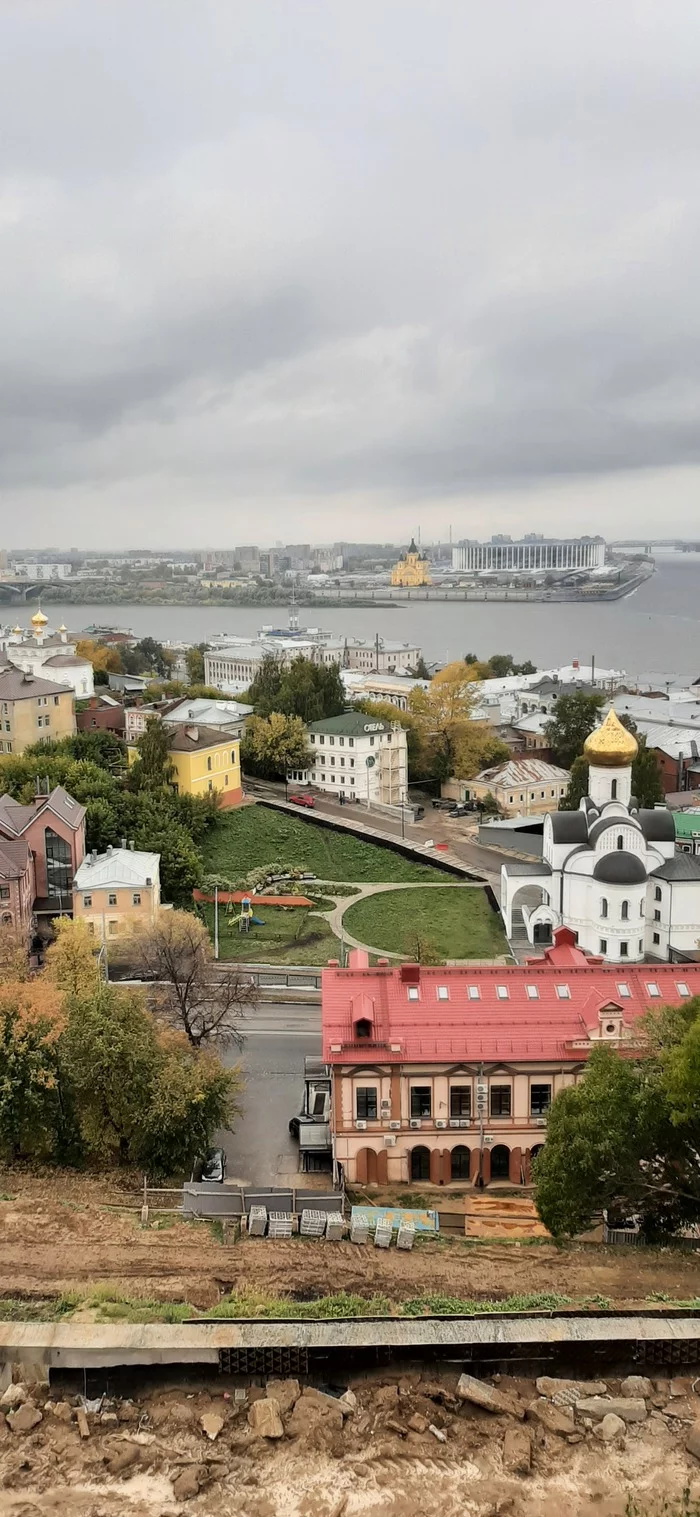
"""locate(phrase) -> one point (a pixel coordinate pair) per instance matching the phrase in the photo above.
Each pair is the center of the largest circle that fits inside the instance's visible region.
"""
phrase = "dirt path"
(57, 1233)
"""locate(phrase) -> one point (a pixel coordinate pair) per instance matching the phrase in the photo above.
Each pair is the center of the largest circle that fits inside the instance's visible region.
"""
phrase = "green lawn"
(289, 936)
(255, 836)
(453, 924)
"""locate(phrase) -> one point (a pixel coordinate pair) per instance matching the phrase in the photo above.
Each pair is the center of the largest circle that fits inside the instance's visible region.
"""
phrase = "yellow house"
(412, 569)
(32, 709)
(117, 891)
(206, 759)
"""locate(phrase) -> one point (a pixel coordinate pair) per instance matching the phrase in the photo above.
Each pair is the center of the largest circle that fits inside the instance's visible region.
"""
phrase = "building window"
(502, 992)
(603, 907)
(540, 1099)
(87, 901)
(59, 863)
(657, 916)
(420, 1100)
(233, 755)
(655, 937)
(91, 929)
(4, 892)
(473, 992)
(113, 928)
(461, 1101)
(351, 742)
(136, 898)
(532, 992)
(412, 993)
(112, 900)
(321, 738)
(313, 737)
(657, 893)
(625, 911)
(624, 950)
(603, 945)
(366, 1103)
(500, 1100)
(442, 993)
(620, 841)
(563, 992)
(682, 988)
(208, 763)
(623, 989)
(613, 791)
(341, 740)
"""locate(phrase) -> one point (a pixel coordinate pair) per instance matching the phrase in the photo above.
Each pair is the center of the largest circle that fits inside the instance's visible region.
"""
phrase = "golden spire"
(611, 746)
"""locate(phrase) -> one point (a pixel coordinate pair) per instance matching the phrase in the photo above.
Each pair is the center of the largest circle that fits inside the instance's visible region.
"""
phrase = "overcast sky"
(340, 269)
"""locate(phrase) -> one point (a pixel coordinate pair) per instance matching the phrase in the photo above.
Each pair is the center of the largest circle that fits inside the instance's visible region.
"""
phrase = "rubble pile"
(493, 1445)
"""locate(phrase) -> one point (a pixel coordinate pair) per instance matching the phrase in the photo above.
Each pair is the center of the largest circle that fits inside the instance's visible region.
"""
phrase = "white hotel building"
(358, 758)
(531, 555)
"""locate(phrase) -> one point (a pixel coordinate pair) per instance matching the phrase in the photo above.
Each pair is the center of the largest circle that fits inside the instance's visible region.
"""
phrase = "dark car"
(212, 1167)
(464, 809)
(441, 804)
(302, 800)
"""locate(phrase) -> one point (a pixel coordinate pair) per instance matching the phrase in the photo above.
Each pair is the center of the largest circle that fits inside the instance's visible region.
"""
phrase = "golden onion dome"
(611, 746)
(38, 619)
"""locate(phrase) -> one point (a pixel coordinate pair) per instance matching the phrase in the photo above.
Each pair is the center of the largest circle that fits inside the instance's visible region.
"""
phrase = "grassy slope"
(291, 936)
(255, 836)
(458, 924)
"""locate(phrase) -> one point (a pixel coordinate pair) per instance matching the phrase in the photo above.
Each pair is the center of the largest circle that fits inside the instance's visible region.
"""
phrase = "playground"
(272, 934)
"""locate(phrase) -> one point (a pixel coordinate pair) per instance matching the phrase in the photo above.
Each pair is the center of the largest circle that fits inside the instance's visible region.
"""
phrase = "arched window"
(603, 906)
(459, 1163)
(363, 1028)
(59, 864)
(620, 841)
(613, 790)
(657, 893)
(625, 911)
(420, 1163)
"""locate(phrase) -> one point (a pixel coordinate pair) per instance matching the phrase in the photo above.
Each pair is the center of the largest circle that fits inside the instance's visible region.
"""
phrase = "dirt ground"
(59, 1232)
(407, 1446)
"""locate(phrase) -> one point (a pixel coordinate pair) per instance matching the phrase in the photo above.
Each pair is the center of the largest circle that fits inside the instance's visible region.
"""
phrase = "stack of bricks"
(280, 1224)
(313, 1224)
(382, 1233)
(406, 1236)
(359, 1230)
(335, 1226)
(257, 1221)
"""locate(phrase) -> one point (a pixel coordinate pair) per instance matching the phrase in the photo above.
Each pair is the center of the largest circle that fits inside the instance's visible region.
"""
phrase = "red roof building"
(446, 1074)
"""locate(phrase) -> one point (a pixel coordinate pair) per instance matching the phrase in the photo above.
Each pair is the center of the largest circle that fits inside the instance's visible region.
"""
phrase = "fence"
(210, 1200)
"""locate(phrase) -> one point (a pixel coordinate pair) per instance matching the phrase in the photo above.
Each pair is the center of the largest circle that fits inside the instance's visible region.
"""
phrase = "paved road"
(278, 1039)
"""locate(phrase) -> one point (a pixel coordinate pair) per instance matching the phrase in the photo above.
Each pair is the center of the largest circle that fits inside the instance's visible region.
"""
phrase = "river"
(654, 633)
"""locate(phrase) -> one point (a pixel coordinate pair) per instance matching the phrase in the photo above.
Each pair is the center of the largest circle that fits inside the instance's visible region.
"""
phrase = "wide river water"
(653, 634)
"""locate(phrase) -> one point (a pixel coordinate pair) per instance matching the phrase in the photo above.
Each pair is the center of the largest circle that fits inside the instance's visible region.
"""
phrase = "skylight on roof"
(563, 992)
(532, 992)
(502, 992)
(652, 988)
(623, 989)
(443, 993)
(473, 992)
(682, 988)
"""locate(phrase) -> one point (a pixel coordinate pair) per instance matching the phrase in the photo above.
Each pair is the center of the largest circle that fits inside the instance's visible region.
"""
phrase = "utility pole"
(216, 921)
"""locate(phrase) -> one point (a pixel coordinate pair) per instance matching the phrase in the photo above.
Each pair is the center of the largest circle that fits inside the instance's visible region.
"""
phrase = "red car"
(302, 800)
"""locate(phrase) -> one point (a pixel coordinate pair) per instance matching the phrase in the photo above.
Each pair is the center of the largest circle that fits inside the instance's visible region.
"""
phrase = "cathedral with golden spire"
(411, 569)
(609, 871)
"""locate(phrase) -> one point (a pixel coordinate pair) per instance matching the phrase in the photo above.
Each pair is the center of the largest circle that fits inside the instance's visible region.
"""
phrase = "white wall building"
(534, 555)
(48, 655)
(395, 689)
(29, 571)
(232, 665)
(358, 758)
(609, 871)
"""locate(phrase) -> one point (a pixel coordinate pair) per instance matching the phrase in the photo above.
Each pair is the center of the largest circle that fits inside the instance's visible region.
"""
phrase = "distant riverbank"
(653, 632)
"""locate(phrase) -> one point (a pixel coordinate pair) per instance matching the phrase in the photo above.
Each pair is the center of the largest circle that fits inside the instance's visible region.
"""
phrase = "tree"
(449, 742)
(264, 691)
(13, 954)
(104, 660)
(421, 670)
(30, 1025)
(101, 826)
(274, 744)
(108, 1055)
(194, 659)
(205, 1000)
(578, 785)
(191, 1097)
(154, 767)
(155, 656)
(305, 689)
(180, 862)
(71, 960)
(627, 1137)
(488, 805)
(574, 718)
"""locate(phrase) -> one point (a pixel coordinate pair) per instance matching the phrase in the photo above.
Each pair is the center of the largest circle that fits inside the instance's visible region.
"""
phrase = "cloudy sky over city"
(305, 269)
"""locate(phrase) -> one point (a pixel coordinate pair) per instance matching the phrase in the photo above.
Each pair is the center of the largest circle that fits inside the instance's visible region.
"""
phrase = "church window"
(603, 945)
(657, 893)
(657, 915)
(625, 911)
(655, 937)
(603, 907)
(620, 841)
(624, 949)
(613, 791)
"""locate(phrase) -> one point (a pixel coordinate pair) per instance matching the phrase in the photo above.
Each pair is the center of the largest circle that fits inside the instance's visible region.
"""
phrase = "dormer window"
(363, 1029)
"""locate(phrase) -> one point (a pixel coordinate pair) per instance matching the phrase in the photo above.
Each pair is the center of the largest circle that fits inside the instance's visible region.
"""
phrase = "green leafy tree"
(108, 1054)
(30, 1022)
(154, 767)
(263, 694)
(274, 744)
(575, 717)
(578, 785)
(180, 862)
(488, 805)
(155, 656)
(421, 670)
(194, 659)
(311, 691)
(101, 826)
(191, 1097)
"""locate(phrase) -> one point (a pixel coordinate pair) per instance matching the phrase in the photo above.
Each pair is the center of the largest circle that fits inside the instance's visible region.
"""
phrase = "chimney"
(192, 733)
(109, 848)
(122, 842)
(93, 856)
(131, 844)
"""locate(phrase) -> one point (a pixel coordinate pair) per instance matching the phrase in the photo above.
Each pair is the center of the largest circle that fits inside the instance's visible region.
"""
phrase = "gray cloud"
(321, 261)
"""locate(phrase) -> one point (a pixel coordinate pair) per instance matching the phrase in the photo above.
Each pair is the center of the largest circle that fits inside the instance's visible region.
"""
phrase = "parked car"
(465, 808)
(442, 804)
(302, 800)
(211, 1167)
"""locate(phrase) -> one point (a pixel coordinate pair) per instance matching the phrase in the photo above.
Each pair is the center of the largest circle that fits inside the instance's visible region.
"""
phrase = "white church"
(48, 655)
(610, 870)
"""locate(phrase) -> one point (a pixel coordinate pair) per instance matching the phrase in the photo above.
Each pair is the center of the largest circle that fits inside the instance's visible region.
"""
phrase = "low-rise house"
(446, 1074)
(358, 757)
(206, 760)
(16, 887)
(102, 713)
(521, 786)
(116, 891)
(32, 709)
(53, 828)
(228, 717)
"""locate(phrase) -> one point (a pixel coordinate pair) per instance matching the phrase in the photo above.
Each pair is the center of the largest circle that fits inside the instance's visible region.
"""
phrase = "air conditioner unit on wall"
(414, 1122)
(440, 1122)
(454, 1122)
(386, 1105)
(361, 1126)
(539, 1121)
(389, 1140)
(395, 1126)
